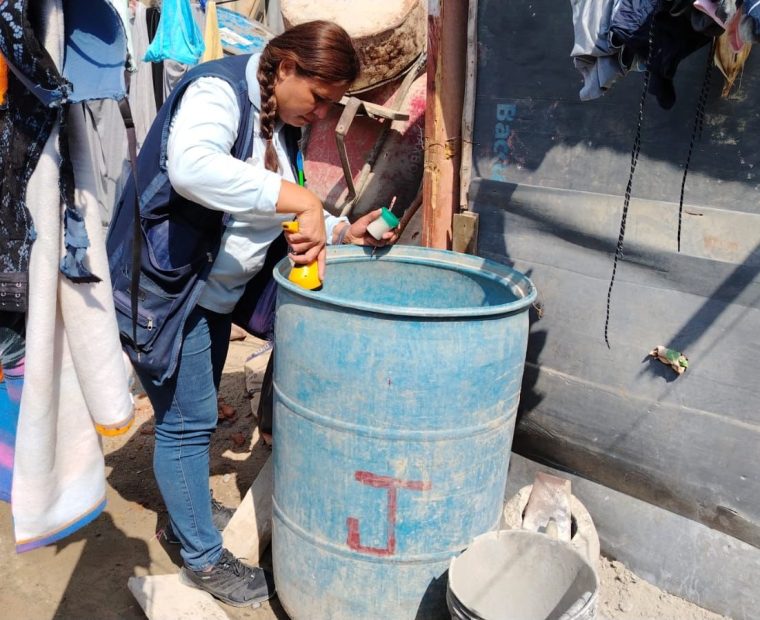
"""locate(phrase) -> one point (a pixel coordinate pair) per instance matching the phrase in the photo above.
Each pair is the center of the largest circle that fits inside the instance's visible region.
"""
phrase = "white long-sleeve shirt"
(201, 169)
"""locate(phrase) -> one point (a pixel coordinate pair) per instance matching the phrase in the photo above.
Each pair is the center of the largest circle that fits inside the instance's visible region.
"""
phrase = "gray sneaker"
(220, 516)
(232, 582)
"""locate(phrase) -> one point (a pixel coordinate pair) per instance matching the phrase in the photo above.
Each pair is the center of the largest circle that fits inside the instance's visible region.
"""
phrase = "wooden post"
(447, 45)
(248, 8)
(468, 108)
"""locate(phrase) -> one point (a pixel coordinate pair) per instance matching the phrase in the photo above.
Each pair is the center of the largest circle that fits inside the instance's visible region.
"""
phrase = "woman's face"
(302, 100)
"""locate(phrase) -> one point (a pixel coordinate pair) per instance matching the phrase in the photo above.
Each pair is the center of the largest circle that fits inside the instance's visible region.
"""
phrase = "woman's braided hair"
(321, 50)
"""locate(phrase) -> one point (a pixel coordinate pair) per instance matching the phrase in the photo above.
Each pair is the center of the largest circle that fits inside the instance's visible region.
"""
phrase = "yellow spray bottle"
(306, 276)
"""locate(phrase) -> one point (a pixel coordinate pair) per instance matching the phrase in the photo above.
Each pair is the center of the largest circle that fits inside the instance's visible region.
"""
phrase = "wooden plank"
(249, 532)
(447, 29)
(465, 233)
(468, 107)
(165, 597)
(248, 8)
(374, 110)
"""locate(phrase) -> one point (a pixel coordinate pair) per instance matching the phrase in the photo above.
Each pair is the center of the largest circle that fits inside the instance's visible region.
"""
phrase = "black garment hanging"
(676, 39)
(25, 126)
(152, 17)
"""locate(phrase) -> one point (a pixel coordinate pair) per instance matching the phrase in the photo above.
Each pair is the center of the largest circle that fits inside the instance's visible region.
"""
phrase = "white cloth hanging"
(75, 376)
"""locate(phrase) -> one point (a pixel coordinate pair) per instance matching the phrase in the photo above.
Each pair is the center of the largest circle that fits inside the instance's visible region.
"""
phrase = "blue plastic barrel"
(396, 388)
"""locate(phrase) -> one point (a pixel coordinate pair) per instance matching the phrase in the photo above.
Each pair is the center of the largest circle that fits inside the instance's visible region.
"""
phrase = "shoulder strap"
(129, 124)
(292, 137)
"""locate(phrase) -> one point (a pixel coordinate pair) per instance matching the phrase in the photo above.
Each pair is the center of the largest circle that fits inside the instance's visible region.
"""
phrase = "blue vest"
(180, 238)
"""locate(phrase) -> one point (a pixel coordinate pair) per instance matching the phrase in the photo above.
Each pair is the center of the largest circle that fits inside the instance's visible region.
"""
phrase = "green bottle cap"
(389, 218)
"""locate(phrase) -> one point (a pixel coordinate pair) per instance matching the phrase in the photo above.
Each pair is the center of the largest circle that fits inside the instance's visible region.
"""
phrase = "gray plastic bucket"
(521, 575)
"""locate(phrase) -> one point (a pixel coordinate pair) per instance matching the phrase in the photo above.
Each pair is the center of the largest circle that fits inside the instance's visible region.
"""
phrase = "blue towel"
(10, 398)
(177, 37)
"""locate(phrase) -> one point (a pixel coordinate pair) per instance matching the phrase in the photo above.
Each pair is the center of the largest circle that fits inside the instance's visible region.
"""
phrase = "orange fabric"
(3, 79)
(113, 431)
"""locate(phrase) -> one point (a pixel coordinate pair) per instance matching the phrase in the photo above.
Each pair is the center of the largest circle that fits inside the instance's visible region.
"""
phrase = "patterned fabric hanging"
(25, 125)
(38, 95)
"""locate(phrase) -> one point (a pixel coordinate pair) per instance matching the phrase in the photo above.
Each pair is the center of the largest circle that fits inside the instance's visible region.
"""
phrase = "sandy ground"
(85, 576)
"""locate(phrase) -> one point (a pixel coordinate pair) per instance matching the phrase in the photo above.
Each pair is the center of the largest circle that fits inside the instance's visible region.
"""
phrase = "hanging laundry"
(178, 37)
(25, 126)
(211, 36)
(79, 390)
(37, 95)
(95, 50)
(142, 98)
(705, 24)
(11, 385)
(713, 10)
(12, 328)
(597, 60)
(673, 40)
(733, 33)
(729, 62)
(105, 129)
(122, 8)
(173, 70)
(107, 139)
(3, 79)
(612, 38)
(153, 17)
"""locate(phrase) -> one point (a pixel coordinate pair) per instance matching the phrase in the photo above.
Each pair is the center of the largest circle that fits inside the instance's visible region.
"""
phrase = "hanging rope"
(634, 161)
(696, 132)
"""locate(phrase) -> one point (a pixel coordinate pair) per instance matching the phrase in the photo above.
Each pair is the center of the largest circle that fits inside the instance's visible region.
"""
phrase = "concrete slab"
(249, 532)
(165, 597)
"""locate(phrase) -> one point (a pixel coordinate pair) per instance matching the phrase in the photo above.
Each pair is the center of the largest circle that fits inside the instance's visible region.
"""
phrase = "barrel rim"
(517, 282)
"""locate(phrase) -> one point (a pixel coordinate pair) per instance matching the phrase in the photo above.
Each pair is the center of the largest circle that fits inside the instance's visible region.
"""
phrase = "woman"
(216, 181)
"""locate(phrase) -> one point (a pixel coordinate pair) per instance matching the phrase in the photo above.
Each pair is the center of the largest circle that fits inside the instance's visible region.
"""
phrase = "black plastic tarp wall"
(550, 173)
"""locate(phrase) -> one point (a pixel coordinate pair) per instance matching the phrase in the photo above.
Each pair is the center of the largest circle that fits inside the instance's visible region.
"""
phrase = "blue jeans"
(185, 410)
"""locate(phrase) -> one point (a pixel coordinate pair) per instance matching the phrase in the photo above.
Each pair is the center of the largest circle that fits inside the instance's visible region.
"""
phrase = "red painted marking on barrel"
(392, 484)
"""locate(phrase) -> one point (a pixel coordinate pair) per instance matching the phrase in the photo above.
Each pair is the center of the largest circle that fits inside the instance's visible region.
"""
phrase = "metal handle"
(353, 106)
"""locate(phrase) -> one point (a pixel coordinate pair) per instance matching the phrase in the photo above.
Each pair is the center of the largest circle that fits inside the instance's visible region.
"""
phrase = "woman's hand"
(358, 235)
(308, 244)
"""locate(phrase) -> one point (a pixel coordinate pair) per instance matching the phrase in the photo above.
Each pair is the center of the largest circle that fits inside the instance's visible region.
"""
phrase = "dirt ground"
(85, 575)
